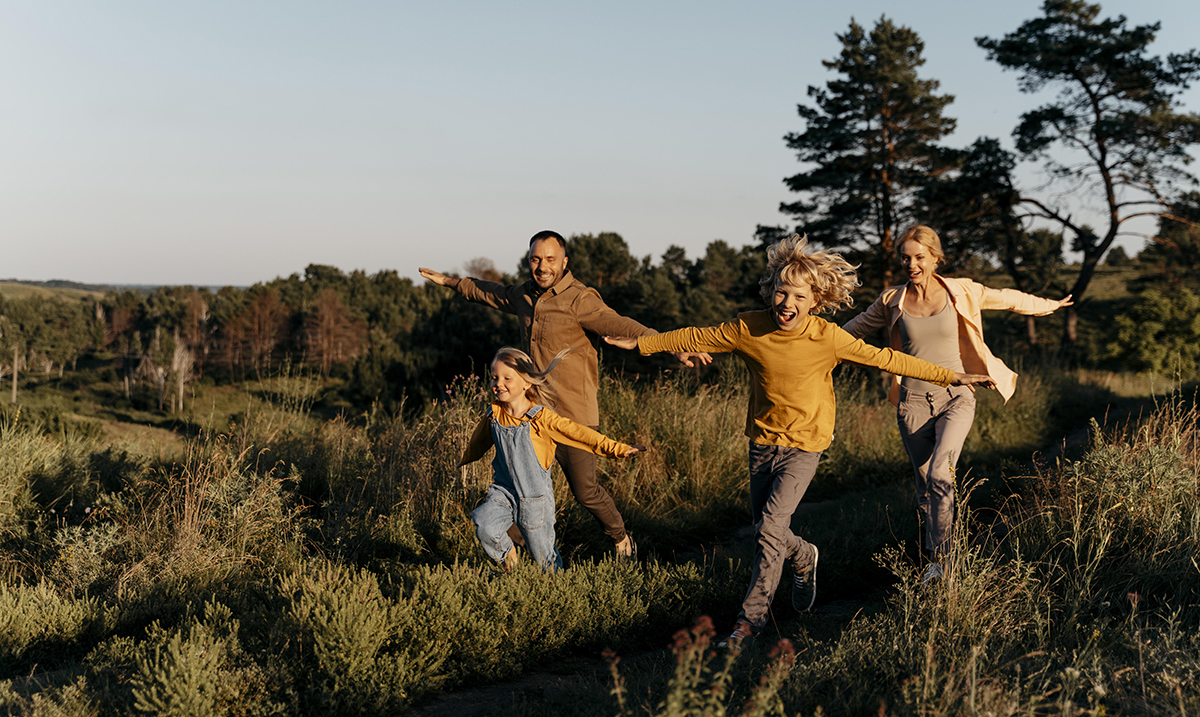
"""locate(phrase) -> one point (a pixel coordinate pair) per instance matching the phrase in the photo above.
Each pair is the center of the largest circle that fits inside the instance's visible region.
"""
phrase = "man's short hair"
(547, 234)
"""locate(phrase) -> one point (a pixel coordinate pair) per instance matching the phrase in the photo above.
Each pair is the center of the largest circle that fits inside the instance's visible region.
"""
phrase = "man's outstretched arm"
(497, 296)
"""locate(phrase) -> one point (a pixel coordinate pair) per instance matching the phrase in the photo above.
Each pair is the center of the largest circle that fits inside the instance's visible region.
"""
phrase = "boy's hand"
(971, 380)
(624, 342)
(632, 450)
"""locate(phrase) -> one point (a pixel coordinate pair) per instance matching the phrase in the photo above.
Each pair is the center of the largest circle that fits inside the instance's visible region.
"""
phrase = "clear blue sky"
(232, 142)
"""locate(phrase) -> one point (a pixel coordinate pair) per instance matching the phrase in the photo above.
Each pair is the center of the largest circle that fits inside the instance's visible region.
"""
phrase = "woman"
(938, 319)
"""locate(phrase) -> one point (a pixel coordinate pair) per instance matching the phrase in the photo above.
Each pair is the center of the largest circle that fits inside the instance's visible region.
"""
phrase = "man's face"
(547, 262)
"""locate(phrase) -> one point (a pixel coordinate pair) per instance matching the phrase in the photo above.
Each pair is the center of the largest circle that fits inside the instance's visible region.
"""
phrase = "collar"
(563, 282)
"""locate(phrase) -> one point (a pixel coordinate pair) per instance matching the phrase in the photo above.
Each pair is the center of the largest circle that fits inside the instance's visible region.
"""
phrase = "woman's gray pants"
(933, 427)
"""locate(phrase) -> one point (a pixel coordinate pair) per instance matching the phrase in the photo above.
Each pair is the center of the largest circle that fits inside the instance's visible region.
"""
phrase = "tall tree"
(331, 333)
(1114, 131)
(871, 142)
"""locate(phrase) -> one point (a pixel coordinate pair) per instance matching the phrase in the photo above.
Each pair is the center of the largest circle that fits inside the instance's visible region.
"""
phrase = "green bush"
(1159, 333)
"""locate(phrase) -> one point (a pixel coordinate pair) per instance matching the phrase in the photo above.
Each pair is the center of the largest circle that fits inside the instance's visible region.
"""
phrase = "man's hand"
(632, 450)
(971, 380)
(686, 358)
(622, 342)
(437, 277)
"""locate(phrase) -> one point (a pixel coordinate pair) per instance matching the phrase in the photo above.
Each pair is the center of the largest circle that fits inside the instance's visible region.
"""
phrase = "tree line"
(1113, 135)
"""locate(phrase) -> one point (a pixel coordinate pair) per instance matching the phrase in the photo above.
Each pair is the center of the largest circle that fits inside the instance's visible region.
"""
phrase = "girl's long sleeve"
(481, 441)
(569, 433)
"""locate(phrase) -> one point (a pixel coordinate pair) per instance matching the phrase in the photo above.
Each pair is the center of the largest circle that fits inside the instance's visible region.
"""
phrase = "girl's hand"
(632, 450)
(622, 342)
(971, 380)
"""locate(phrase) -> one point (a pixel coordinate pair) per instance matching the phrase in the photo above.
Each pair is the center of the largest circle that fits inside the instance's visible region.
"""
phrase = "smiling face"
(918, 261)
(547, 262)
(508, 385)
(791, 304)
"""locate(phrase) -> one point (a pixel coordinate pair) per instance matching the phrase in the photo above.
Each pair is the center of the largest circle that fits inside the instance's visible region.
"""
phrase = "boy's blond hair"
(541, 392)
(831, 277)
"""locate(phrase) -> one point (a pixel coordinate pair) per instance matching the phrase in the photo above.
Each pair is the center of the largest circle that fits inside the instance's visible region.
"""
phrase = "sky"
(232, 142)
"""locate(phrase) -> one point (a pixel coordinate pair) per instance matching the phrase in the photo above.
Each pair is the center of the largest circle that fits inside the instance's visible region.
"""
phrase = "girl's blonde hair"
(924, 236)
(541, 392)
(831, 277)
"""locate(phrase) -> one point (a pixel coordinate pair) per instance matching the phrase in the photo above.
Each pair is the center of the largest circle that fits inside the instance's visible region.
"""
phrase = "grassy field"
(17, 290)
(253, 555)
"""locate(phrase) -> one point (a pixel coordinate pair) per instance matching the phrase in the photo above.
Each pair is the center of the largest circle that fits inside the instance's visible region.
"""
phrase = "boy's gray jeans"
(779, 476)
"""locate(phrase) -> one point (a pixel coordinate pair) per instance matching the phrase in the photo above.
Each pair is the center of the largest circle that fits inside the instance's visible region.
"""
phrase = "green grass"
(278, 561)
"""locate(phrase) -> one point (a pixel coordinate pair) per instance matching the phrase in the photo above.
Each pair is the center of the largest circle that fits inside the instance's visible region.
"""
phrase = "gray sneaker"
(742, 632)
(804, 585)
(933, 573)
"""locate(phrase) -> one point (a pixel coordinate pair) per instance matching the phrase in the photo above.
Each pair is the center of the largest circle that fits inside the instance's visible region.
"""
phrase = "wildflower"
(1134, 598)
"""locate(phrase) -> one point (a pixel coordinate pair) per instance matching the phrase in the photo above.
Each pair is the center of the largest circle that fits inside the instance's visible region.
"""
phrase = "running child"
(791, 355)
(525, 434)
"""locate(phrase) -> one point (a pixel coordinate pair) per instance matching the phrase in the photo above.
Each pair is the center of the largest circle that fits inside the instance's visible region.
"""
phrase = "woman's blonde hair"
(924, 236)
(831, 277)
(541, 392)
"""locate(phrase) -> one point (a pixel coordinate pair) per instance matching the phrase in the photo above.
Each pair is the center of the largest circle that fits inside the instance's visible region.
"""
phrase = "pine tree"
(1114, 125)
(870, 143)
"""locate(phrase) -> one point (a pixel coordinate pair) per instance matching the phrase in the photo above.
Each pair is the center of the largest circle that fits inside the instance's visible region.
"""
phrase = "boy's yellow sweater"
(791, 390)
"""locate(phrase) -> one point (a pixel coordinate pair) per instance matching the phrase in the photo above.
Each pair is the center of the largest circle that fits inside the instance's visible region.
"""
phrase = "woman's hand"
(632, 450)
(971, 380)
(1065, 301)
(622, 342)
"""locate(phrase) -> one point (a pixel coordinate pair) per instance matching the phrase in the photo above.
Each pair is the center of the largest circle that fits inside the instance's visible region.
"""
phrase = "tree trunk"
(1031, 330)
(14, 392)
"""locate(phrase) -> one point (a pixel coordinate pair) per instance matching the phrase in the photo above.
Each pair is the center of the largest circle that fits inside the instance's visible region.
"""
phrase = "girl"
(525, 435)
(791, 355)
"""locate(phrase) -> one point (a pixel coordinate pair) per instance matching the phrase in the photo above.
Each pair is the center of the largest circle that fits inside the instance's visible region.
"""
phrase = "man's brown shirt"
(556, 319)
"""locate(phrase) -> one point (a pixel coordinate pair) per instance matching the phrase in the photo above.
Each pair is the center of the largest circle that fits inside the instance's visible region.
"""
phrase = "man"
(556, 311)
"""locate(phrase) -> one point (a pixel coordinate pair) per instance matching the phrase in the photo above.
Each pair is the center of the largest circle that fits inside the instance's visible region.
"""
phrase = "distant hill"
(66, 289)
(56, 288)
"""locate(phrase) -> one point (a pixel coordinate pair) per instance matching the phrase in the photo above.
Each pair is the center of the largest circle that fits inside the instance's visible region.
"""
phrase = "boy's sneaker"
(804, 585)
(736, 639)
(932, 572)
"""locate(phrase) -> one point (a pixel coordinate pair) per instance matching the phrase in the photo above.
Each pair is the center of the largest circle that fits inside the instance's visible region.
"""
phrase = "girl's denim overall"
(521, 491)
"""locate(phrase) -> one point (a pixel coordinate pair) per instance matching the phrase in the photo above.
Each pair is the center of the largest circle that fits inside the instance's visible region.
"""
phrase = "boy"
(791, 355)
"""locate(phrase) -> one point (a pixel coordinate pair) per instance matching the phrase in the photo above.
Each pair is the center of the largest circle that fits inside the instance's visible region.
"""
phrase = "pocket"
(533, 512)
